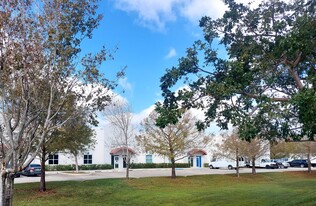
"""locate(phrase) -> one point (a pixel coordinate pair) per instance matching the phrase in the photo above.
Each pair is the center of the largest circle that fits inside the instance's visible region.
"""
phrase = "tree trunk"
(309, 162)
(43, 175)
(173, 168)
(76, 162)
(237, 162)
(127, 166)
(6, 188)
(253, 165)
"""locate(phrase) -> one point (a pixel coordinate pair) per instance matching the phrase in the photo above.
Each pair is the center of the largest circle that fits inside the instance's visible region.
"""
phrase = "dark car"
(298, 163)
(17, 174)
(32, 170)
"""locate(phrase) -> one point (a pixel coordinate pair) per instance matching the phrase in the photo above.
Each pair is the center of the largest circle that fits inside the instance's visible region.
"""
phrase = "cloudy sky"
(151, 35)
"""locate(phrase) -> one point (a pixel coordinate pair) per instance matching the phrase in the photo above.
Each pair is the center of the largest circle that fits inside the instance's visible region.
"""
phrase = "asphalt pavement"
(139, 173)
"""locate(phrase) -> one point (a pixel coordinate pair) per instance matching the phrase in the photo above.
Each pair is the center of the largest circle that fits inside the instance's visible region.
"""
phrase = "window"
(53, 159)
(149, 159)
(191, 161)
(87, 159)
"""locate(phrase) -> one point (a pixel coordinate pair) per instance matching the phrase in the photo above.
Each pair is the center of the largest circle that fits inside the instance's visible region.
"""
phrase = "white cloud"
(155, 14)
(137, 118)
(193, 10)
(151, 13)
(125, 84)
(172, 53)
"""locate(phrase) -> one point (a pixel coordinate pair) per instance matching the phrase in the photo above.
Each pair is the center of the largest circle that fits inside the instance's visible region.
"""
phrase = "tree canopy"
(75, 137)
(266, 82)
(43, 74)
(172, 141)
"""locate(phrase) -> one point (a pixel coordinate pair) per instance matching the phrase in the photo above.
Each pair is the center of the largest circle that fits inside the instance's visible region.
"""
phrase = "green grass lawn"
(290, 188)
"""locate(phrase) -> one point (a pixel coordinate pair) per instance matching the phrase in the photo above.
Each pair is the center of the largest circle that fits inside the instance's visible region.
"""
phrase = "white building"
(102, 153)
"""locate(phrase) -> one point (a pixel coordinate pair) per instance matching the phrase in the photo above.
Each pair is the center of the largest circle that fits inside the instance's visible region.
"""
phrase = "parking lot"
(139, 173)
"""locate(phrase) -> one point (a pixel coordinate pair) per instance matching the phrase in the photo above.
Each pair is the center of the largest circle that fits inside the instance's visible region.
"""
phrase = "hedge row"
(158, 165)
(81, 167)
(108, 166)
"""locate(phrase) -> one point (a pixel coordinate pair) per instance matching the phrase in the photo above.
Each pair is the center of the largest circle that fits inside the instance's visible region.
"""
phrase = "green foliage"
(108, 166)
(75, 136)
(96, 167)
(305, 102)
(158, 165)
(59, 167)
(44, 75)
(266, 84)
(81, 167)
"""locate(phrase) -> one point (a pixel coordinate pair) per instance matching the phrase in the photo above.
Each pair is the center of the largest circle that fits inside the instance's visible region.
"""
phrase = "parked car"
(32, 170)
(268, 164)
(281, 164)
(17, 174)
(298, 163)
(265, 163)
(222, 162)
(313, 162)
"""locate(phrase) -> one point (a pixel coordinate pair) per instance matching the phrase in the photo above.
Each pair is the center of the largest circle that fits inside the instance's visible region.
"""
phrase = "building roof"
(122, 149)
(197, 151)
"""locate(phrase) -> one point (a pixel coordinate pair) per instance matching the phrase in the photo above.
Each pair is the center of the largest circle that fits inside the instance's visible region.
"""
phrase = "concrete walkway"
(139, 173)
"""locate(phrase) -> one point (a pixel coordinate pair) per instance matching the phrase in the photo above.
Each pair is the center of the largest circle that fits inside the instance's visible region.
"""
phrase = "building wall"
(101, 153)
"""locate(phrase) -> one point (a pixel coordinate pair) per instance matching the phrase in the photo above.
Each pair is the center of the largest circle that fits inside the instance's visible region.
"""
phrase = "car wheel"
(230, 167)
(211, 167)
(267, 166)
(302, 165)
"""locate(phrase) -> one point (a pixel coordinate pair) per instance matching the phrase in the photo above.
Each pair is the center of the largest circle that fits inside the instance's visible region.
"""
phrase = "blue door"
(198, 161)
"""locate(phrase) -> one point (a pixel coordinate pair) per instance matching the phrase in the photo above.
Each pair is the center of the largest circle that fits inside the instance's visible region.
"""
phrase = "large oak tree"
(264, 82)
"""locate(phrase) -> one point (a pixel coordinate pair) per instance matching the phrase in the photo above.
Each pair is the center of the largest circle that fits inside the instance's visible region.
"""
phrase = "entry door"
(198, 161)
(124, 161)
(112, 161)
(191, 162)
(116, 161)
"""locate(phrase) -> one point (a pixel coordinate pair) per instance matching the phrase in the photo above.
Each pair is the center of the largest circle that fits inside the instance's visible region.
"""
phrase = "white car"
(226, 163)
(282, 164)
(313, 162)
(266, 163)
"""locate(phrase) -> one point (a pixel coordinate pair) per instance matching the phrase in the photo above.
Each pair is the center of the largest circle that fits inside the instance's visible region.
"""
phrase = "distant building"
(104, 154)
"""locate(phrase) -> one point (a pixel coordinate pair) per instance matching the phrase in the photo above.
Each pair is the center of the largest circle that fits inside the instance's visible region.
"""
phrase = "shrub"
(158, 165)
(95, 167)
(108, 166)
(59, 167)
(81, 167)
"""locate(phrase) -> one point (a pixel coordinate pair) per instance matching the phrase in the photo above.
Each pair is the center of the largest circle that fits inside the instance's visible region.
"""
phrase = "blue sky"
(151, 35)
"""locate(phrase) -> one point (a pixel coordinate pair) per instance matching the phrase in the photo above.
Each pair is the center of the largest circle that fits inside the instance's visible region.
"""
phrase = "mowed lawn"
(289, 188)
